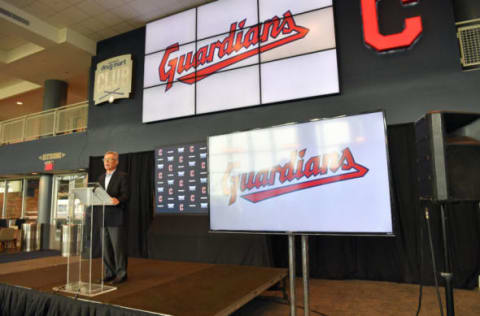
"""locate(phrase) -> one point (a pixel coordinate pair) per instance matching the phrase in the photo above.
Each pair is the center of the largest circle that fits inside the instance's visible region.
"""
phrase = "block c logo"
(382, 43)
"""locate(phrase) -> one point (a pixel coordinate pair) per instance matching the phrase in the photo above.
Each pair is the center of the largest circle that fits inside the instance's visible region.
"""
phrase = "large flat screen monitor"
(328, 176)
(231, 54)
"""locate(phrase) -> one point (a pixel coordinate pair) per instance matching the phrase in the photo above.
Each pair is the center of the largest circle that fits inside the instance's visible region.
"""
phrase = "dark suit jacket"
(117, 188)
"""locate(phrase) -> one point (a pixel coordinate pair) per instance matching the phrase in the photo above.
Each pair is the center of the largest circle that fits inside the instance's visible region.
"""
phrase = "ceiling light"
(19, 102)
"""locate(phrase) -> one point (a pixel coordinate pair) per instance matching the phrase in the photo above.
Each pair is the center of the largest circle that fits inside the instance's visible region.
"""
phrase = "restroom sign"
(113, 79)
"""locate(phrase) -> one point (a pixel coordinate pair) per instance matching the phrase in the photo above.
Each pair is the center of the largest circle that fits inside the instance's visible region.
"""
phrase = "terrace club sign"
(49, 159)
(113, 79)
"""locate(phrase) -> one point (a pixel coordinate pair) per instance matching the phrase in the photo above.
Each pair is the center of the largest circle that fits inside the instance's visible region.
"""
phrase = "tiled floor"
(363, 298)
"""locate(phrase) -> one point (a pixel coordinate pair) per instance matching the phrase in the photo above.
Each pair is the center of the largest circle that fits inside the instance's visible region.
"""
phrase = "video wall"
(231, 54)
(181, 179)
(328, 176)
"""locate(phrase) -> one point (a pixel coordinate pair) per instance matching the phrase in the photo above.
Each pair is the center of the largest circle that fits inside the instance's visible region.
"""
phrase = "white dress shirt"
(108, 177)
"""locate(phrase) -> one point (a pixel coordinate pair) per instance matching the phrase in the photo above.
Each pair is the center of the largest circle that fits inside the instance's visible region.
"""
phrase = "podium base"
(84, 288)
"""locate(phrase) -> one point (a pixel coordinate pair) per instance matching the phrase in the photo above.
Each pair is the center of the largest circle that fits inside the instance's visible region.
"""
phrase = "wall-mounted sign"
(49, 158)
(382, 43)
(232, 54)
(48, 165)
(113, 79)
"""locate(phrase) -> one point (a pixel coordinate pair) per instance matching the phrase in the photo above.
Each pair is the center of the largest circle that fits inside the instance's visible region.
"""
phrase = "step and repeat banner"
(231, 54)
(328, 176)
(181, 179)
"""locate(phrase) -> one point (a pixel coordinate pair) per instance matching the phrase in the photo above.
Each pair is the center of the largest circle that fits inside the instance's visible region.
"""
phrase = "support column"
(306, 276)
(54, 94)
(292, 273)
(45, 207)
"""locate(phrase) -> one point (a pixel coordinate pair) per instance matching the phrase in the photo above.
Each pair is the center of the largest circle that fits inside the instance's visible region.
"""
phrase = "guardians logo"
(276, 31)
(317, 170)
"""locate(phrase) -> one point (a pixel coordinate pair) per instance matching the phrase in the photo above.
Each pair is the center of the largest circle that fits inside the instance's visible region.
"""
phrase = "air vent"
(469, 41)
(13, 16)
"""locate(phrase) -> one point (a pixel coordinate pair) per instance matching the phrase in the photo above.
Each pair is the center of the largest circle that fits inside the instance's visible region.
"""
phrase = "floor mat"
(19, 256)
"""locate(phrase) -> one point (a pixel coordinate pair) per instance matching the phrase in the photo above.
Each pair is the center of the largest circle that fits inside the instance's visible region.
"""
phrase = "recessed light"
(19, 102)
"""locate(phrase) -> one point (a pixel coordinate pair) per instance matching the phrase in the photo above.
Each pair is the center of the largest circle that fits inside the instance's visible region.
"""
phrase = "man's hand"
(115, 201)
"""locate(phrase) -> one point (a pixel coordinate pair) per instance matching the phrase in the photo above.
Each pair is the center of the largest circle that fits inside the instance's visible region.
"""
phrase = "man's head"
(110, 161)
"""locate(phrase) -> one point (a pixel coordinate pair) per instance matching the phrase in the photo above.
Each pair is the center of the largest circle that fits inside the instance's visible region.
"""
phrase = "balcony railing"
(63, 120)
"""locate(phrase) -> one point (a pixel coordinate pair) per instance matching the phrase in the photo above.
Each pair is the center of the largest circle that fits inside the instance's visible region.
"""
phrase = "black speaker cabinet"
(448, 156)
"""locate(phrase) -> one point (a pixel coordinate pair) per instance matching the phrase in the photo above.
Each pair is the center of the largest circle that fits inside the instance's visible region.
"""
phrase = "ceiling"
(55, 39)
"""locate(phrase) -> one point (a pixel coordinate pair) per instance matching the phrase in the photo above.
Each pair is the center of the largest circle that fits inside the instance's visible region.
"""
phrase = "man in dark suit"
(115, 182)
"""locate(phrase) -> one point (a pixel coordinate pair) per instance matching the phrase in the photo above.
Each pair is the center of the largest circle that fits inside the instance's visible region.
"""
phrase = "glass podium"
(86, 211)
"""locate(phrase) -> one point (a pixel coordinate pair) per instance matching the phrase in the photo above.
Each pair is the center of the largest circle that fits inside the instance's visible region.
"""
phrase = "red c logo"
(379, 42)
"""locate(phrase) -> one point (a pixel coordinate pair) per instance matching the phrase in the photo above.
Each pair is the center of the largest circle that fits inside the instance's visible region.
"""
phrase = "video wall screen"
(181, 179)
(329, 176)
(231, 54)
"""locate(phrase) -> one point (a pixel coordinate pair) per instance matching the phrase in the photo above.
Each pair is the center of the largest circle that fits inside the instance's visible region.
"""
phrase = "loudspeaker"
(448, 156)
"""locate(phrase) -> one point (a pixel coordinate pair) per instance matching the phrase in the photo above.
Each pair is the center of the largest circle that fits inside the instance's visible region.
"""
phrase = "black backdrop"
(139, 167)
(406, 257)
(396, 259)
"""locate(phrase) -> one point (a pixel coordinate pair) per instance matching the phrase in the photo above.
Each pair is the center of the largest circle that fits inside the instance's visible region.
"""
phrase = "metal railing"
(63, 120)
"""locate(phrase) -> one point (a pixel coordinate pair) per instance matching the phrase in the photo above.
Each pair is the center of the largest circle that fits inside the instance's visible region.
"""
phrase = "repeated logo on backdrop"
(181, 179)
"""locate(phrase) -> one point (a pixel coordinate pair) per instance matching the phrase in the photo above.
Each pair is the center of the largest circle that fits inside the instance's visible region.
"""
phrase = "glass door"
(2, 198)
(30, 199)
(19, 199)
(62, 184)
(14, 199)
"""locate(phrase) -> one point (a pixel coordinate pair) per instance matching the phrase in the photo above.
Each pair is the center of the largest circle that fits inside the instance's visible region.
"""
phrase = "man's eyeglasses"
(108, 159)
